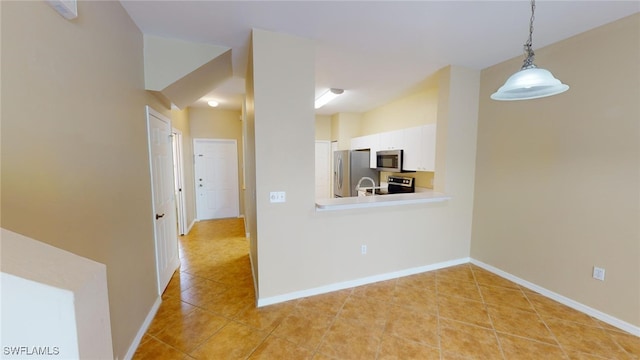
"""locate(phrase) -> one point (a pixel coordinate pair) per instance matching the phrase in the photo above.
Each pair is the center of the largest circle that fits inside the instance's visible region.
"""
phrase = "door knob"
(159, 216)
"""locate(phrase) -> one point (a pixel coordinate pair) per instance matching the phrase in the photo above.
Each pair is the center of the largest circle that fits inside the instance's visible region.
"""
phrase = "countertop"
(422, 195)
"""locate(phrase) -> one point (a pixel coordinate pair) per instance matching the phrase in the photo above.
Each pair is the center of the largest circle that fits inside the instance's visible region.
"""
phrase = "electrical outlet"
(363, 249)
(277, 197)
(598, 273)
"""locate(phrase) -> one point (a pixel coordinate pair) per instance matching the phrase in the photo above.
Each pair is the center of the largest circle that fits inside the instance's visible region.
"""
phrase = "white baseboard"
(191, 226)
(143, 329)
(358, 282)
(613, 321)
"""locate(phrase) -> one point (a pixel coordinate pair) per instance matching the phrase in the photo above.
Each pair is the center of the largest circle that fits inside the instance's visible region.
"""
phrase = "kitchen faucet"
(373, 185)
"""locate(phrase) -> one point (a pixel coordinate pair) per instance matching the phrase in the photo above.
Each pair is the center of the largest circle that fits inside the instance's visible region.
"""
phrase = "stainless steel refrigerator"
(349, 166)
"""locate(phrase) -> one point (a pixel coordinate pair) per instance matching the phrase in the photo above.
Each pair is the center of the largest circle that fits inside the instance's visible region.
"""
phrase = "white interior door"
(165, 229)
(216, 176)
(178, 179)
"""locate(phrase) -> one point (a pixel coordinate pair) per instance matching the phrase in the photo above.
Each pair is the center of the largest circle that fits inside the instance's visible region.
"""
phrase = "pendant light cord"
(530, 82)
(528, 61)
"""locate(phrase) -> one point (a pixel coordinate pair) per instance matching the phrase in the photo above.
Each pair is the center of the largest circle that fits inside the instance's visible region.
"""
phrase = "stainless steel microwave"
(389, 160)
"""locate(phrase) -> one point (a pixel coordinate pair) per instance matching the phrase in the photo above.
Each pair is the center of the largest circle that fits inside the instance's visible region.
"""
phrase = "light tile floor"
(462, 312)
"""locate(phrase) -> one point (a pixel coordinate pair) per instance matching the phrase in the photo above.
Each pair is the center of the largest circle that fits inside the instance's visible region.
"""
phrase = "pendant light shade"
(531, 82)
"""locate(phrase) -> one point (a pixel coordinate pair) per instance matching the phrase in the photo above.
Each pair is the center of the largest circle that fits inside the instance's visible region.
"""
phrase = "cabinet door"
(358, 143)
(384, 141)
(397, 139)
(412, 149)
(420, 148)
(392, 140)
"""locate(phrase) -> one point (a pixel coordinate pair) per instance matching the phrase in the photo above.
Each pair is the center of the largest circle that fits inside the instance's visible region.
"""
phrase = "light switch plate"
(277, 197)
(598, 273)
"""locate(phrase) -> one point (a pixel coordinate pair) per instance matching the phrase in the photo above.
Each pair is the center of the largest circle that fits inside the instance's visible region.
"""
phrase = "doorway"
(178, 180)
(216, 178)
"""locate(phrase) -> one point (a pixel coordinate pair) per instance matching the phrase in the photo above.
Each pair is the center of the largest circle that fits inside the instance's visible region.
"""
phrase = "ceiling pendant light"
(531, 82)
(327, 96)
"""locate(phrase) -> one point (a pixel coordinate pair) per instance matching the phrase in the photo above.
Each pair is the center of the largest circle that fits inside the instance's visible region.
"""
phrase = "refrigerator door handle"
(340, 176)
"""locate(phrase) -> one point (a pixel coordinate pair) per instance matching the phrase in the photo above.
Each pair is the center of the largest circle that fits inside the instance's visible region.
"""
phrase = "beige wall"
(415, 109)
(75, 167)
(557, 188)
(215, 123)
(419, 107)
(210, 123)
(345, 126)
(300, 249)
(323, 127)
(180, 121)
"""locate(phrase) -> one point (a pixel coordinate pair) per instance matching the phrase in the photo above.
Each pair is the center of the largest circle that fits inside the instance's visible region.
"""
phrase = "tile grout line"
(169, 345)
(197, 307)
(335, 317)
(546, 325)
(384, 329)
(609, 333)
(439, 325)
(484, 303)
(613, 339)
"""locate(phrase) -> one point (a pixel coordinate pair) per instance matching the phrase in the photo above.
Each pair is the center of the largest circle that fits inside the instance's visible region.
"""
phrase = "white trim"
(191, 225)
(613, 321)
(246, 234)
(358, 282)
(255, 282)
(143, 329)
(178, 160)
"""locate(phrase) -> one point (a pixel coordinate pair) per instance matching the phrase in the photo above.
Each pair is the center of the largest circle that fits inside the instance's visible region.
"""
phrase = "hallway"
(463, 312)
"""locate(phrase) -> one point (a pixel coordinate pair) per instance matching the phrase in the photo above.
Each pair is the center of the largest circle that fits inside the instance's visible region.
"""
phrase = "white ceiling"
(375, 50)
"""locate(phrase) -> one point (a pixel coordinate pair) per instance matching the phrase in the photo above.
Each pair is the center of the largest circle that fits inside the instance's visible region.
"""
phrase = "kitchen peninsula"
(422, 195)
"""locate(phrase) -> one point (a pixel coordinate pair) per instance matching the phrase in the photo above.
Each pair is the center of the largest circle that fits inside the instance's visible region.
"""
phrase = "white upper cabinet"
(370, 142)
(418, 143)
(420, 148)
(392, 140)
(361, 142)
(411, 155)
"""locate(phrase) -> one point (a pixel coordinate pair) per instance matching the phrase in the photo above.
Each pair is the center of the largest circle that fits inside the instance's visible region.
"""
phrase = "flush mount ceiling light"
(531, 82)
(327, 96)
(212, 103)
